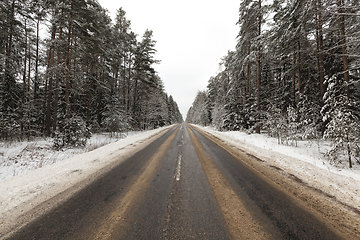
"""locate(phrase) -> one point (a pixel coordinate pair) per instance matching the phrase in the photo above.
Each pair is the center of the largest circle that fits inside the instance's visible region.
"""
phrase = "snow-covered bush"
(276, 124)
(309, 119)
(116, 123)
(73, 133)
(293, 126)
(218, 114)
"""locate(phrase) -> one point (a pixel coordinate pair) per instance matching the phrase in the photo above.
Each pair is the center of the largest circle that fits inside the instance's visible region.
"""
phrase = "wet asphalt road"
(163, 192)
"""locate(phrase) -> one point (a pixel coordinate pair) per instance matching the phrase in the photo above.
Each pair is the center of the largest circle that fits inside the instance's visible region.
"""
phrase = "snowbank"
(17, 158)
(23, 192)
(306, 161)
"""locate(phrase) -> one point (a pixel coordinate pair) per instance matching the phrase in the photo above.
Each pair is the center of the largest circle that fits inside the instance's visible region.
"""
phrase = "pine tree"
(84, 74)
(306, 60)
(145, 77)
(343, 123)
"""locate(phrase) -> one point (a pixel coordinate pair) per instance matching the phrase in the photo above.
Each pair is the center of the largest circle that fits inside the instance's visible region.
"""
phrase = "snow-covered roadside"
(20, 193)
(306, 162)
(17, 158)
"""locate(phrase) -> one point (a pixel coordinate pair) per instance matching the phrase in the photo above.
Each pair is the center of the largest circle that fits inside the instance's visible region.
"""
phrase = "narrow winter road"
(181, 186)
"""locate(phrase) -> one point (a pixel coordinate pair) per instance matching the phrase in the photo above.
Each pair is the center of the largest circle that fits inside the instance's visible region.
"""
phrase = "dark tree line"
(295, 74)
(63, 64)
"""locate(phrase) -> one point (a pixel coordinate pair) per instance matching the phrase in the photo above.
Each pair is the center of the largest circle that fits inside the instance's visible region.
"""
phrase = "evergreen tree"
(343, 121)
(86, 73)
(297, 78)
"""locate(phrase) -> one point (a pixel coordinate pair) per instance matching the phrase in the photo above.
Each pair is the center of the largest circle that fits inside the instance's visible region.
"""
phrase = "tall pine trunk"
(124, 91)
(36, 79)
(9, 99)
(345, 61)
(24, 90)
(10, 38)
(299, 70)
(128, 87)
(57, 83)
(135, 98)
(25, 63)
(293, 76)
(27, 99)
(49, 82)
(248, 74)
(320, 46)
(258, 61)
(68, 64)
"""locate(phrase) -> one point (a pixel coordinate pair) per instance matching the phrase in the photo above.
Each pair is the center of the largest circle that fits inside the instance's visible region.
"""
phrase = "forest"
(294, 75)
(67, 70)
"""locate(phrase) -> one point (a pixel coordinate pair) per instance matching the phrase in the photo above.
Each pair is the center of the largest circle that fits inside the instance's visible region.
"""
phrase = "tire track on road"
(116, 219)
(239, 220)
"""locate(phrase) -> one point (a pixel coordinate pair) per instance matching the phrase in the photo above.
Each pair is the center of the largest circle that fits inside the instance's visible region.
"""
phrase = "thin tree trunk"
(25, 63)
(49, 83)
(259, 71)
(299, 70)
(128, 87)
(9, 81)
(348, 150)
(293, 76)
(23, 97)
(11, 31)
(74, 48)
(135, 98)
(91, 89)
(29, 73)
(57, 83)
(343, 44)
(242, 90)
(68, 63)
(28, 93)
(36, 80)
(345, 64)
(124, 83)
(320, 46)
(248, 75)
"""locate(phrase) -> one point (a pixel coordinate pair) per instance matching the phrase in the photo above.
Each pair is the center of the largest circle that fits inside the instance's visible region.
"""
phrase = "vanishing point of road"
(187, 184)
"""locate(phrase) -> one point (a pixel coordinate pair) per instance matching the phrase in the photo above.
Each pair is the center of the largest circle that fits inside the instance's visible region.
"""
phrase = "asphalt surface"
(164, 192)
(283, 217)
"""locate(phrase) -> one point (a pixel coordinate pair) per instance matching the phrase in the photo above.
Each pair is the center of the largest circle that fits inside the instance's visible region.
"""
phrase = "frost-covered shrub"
(218, 114)
(309, 119)
(73, 133)
(293, 126)
(276, 124)
(116, 123)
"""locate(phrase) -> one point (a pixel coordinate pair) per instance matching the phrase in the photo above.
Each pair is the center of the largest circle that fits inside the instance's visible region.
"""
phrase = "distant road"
(189, 185)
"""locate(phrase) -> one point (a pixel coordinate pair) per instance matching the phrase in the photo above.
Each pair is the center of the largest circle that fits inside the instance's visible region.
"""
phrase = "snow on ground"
(17, 158)
(306, 161)
(33, 173)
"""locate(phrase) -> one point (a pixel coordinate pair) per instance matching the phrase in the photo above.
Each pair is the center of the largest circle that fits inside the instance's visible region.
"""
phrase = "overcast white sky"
(192, 36)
